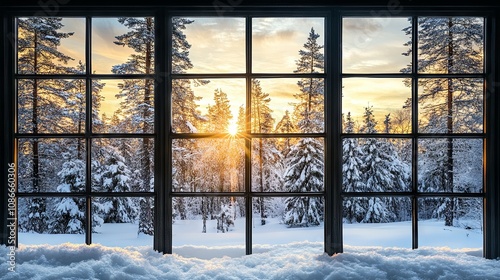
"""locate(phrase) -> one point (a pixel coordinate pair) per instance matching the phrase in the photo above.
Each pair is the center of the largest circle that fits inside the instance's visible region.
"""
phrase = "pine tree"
(285, 125)
(450, 45)
(75, 109)
(116, 177)
(265, 153)
(217, 161)
(39, 100)
(309, 111)
(138, 104)
(70, 212)
(352, 175)
(383, 172)
(305, 162)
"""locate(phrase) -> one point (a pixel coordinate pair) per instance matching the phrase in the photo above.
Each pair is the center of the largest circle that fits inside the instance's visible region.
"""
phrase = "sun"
(232, 129)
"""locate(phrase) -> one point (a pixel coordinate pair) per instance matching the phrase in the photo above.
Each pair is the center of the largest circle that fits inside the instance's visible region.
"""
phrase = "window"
(413, 137)
(248, 130)
(178, 127)
(85, 128)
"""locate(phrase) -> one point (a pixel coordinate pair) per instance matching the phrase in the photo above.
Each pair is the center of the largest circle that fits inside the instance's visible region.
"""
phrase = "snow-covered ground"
(372, 251)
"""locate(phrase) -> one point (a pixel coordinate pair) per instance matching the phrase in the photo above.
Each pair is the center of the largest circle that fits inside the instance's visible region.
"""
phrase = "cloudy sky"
(370, 45)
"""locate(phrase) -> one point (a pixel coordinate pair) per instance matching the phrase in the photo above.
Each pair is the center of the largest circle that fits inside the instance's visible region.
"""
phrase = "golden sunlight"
(232, 129)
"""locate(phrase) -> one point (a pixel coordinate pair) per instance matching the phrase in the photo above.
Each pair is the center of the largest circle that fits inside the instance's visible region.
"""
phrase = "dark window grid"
(418, 135)
(247, 194)
(88, 76)
(84, 135)
(414, 136)
(410, 194)
(247, 135)
(357, 12)
(84, 194)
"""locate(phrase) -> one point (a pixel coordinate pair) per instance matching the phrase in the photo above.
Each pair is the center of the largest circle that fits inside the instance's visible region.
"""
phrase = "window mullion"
(88, 128)
(248, 140)
(333, 128)
(414, 128)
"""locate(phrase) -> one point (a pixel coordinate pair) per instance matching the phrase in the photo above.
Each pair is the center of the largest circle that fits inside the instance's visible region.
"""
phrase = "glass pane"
(376, 165)
(208, 165)
(286, 45)
(52, 221)
(50, 45)
(213, 106)
(440, 157)
(287, 165)
(123, 106)
(450, 44)
(123, 45)
(208, 45)
(376, 45)
(122, 165)
(283, 220)
(51, 106)
(207, 227)
(123, 221)
(451, 105)
(51, 165)
(377, 221)
(305, 166)
(450, 222)
(376, 105)
(288, 105)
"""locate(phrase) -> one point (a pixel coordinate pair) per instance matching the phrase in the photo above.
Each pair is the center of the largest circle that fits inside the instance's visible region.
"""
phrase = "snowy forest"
(286, 164)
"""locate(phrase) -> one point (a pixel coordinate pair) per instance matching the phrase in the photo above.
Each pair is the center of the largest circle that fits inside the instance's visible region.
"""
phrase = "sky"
(370, 45)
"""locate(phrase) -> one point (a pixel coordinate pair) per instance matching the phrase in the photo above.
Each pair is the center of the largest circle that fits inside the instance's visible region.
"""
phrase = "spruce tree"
(352, 175)
(116, 177)
(383, 172)
(285, 125)
(217, 161)
(69, 213)
(40, 102)
(265, 154)
(305, 162)
(449, 45)
(138, 103)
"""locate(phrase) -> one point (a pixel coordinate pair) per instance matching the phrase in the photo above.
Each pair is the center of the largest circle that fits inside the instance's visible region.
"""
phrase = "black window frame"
(333, 241)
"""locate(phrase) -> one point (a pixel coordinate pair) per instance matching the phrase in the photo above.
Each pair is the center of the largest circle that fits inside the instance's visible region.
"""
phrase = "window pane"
(440, 157)
(207, 223)
(376, 45)
(122, 165)
(50, 45)
(51, 106)
(376, 165)
(123, 45)
(51, 165)
(451, 105)
(288, 105)
(213, 106)
(287, 45)
(450, 222)
(450, 44)
(123, 221)
(214, 45)
(376, 105)
(377, 221)
(282, 220)
(287, 165)
(123, 106)
(208, 165)
(52, 221)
